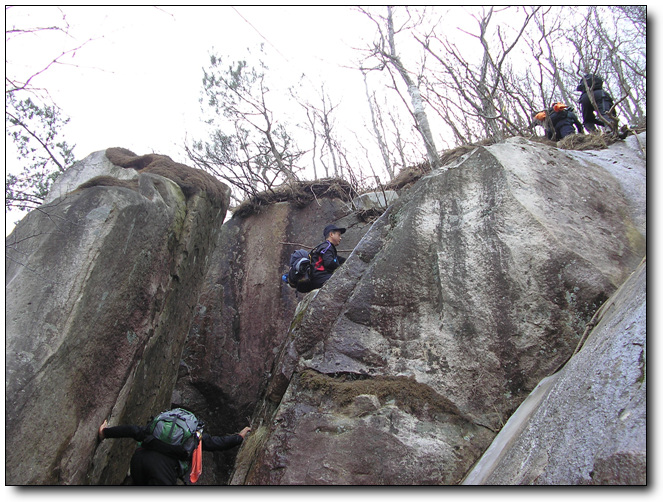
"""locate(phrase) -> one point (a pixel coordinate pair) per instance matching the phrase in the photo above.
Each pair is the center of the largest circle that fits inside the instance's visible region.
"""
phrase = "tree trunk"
(383, 147)
(417, 103)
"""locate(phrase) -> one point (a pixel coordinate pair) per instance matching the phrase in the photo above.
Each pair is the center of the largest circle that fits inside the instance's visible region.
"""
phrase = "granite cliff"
(129, 291)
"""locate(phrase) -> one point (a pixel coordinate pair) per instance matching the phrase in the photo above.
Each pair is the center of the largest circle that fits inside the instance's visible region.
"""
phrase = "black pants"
(589, 119)
(317, 281)
(150, 467)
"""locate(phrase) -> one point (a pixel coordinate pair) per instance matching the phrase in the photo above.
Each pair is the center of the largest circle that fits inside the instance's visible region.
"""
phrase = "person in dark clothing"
(604, 102)
(151, 467)
(562, 119)
(324, 258)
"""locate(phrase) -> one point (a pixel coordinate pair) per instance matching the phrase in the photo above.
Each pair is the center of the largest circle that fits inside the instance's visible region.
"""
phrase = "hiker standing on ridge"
(157, 463)
(324, 258)
(594, 84)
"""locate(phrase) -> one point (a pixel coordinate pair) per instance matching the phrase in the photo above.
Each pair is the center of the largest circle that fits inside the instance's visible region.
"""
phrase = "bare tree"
(400, 142)
(329, 145)
(320, 117)
(248, 146)
(480, 85)
(384, 50)
(378, 130)
(490, 83)
(616, 33)
(553, 72)
(311, 117)
(33, 122)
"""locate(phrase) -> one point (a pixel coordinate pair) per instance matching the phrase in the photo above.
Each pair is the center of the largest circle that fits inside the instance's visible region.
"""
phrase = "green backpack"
(174, 432)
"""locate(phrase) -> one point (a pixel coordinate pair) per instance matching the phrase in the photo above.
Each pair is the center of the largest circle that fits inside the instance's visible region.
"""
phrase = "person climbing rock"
(324, 258)
(158, 460)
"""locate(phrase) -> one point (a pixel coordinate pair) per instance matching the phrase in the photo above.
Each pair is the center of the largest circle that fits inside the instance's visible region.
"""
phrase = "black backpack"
(603, 102)
(299, 274)
(590, 82)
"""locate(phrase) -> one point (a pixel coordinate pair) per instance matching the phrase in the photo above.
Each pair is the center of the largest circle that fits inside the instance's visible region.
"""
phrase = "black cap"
(331, 228)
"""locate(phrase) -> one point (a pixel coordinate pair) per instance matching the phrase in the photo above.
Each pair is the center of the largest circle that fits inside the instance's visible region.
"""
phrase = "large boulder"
(470, 289)
(101, 286)
(586, 424)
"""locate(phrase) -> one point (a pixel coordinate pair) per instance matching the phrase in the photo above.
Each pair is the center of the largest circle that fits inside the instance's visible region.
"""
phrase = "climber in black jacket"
(604, 102)
(563, 119)
(151, 467)
(324, 258)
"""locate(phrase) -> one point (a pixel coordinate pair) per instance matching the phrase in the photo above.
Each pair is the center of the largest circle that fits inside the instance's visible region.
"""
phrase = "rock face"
(470, 289)
(127, 294)
(243, 313)
(588, 423)
(97, 164)
(101, 284)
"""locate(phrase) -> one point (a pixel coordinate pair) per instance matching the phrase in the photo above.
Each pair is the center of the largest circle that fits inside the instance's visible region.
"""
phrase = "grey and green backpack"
(174, 432)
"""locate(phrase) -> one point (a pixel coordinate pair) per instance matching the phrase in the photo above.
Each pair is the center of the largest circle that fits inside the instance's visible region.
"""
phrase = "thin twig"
(311, 247)
(296, 244)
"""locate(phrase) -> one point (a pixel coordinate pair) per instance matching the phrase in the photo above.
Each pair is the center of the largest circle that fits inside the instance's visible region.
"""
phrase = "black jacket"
(324, 261)
(593, 84)
(563, 122)
(603, 101)
(139, 433)
(151, 467)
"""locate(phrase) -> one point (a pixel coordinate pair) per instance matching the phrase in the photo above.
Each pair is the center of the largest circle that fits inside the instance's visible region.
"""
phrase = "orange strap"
(197, 463)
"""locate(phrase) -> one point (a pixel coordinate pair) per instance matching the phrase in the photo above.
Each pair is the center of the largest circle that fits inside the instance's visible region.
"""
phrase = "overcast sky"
(136, 84)
(136, 81)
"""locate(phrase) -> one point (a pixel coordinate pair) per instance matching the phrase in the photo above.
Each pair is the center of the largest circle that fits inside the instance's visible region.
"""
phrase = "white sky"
(137, 84)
